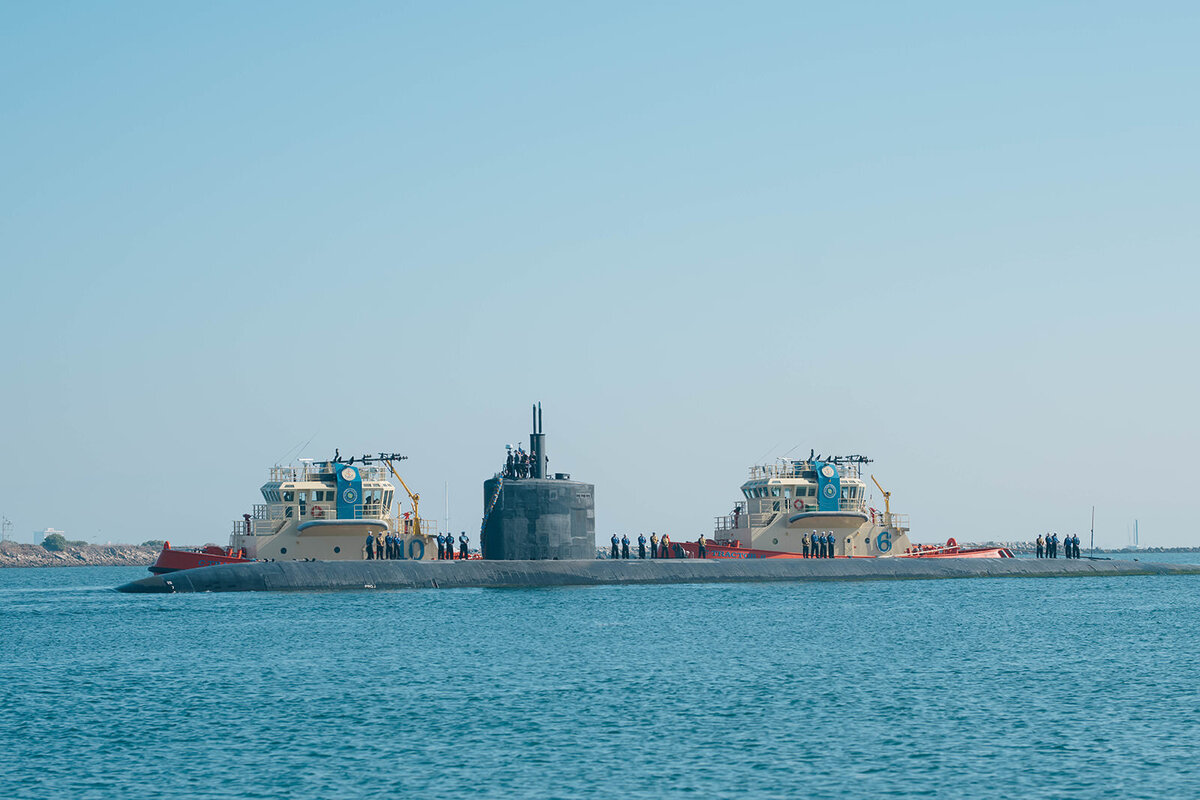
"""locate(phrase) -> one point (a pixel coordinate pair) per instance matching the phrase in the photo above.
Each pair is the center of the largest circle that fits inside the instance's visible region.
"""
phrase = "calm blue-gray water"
(998, 688)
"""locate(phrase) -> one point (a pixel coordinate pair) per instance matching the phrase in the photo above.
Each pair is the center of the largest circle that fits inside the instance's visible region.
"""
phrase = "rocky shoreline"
(13, 554)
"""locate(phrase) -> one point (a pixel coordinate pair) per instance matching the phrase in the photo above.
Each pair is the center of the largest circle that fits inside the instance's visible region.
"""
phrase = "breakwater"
(13, 554)
(365, 575)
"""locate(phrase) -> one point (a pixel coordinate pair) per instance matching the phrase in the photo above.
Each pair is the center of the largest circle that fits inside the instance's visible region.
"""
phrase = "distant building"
(40, 536)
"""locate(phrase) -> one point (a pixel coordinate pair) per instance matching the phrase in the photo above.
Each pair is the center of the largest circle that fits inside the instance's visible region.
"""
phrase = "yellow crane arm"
(887, 497)
(414, 498)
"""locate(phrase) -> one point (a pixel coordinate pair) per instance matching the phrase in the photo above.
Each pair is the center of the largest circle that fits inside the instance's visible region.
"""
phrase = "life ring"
(316, 512)
(797, 504)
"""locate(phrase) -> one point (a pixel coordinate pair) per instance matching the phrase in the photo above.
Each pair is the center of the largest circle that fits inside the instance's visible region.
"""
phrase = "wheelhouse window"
(289, 497)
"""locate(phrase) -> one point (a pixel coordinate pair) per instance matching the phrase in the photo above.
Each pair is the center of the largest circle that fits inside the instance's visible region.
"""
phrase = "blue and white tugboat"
(823, 496)
(320, 511)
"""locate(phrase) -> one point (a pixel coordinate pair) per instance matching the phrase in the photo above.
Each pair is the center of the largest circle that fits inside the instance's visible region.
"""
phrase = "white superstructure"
(325, 510)
(817, 495)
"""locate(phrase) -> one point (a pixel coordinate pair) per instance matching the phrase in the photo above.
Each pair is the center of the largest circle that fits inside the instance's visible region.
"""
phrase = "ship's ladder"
(491, 505)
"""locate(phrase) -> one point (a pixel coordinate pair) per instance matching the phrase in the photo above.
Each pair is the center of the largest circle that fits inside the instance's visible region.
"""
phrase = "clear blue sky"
(960, 239)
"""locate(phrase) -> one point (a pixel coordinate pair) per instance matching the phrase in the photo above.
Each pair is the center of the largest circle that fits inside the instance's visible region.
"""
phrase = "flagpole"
(1093, 530)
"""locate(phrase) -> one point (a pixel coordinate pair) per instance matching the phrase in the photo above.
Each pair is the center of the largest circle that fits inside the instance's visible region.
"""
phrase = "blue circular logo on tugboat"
(829, 490)
(349, 496)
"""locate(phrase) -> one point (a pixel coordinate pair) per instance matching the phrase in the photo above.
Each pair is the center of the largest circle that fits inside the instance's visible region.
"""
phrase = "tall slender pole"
(1093, 530)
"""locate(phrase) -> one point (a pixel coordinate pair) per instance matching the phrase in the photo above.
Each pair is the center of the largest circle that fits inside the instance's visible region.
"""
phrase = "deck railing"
(265, 519)
(318, 470)
(787, 468)
(731, 522)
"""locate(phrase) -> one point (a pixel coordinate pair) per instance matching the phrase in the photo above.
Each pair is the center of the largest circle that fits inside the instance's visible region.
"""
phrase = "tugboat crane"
(413, 498)
(887, 503)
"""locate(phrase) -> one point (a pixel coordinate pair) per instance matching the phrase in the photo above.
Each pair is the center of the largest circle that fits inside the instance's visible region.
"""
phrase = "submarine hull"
(368, 575)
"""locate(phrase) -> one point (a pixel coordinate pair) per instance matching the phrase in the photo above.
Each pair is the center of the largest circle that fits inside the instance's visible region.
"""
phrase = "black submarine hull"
(309, 576)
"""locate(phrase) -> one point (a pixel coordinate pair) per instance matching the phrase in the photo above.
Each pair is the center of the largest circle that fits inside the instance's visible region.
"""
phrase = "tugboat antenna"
(366, 458)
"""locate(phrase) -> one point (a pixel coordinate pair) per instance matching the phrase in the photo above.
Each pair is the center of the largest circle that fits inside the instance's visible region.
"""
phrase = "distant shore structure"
(533, 514)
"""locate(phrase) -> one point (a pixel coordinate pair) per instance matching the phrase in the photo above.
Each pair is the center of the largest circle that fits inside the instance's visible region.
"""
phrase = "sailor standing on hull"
(641, 545)
(370, 547)
(653, 544)
(701, 548)
(1040, 544)
(805, 542)
(462, 545)
(614, 553)
(624, 545)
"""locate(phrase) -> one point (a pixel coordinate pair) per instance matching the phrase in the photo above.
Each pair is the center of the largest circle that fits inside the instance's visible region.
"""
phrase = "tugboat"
(319, 511)
(818, 496)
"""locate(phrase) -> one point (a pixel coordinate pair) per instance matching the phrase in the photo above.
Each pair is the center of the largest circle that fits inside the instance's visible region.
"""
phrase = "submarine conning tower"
(530, 514)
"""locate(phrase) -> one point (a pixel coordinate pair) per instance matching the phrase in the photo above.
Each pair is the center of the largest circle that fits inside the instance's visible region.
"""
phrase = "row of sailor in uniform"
(390, 546)
(446, 546)
(818, 545)
(381, 547)
(1048, 547)
(659, 548)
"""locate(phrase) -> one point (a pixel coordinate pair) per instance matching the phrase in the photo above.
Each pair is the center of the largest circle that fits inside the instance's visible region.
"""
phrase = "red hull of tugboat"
(949, 550)
(170, 560)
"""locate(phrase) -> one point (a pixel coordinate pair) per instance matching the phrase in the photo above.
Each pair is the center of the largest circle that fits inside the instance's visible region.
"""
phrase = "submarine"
(310, 576)
(538, 530)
